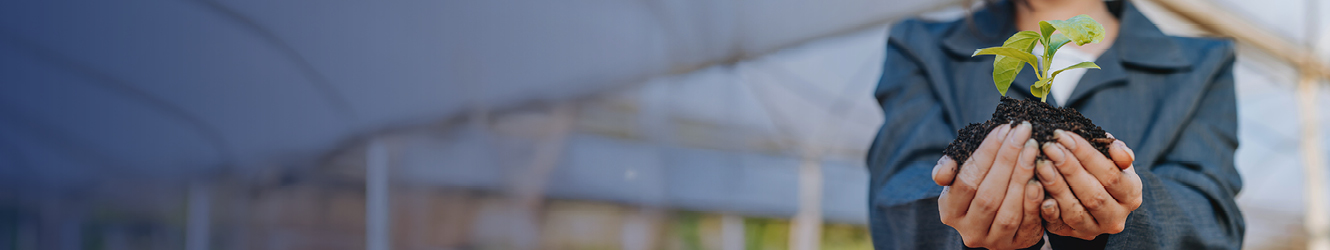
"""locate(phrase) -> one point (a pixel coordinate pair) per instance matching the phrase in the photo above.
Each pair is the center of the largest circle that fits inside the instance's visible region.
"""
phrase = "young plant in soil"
(1044, 118)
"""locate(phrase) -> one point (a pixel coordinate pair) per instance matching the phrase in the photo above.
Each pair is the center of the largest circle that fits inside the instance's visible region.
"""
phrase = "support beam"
(377, 197)
(1220, 21)
(198, 216)
(1317, 222)
(528, 187)
(732, 232)
(806, 231)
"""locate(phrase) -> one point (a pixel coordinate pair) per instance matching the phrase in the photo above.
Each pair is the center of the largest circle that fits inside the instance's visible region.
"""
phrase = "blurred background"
(682, 124)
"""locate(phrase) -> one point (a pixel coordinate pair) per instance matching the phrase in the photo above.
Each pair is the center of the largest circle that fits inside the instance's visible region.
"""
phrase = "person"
(1168, 182)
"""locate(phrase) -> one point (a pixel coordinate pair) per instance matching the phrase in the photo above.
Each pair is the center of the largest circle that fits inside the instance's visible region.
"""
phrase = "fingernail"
(943, 159)
(1110, 135)
(1121, 145)
(1031, 193)
(996, 130)
(939, 167)
(1043, 166)
(1054, 153)
(1030, 145)
(1048, 205)
(1012, 138)
(1064, 137)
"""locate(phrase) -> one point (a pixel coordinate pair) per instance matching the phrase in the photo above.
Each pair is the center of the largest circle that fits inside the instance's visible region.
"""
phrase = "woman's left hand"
(1108, 189)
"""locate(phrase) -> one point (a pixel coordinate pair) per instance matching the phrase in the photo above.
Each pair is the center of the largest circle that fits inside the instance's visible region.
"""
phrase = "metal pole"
(529, 186)
(807, 228)
(376, 197)
(199, 216)
(731, 232)
(1318, 221)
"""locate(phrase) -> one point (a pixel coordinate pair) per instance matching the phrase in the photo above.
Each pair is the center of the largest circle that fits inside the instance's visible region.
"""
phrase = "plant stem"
(1046, 64)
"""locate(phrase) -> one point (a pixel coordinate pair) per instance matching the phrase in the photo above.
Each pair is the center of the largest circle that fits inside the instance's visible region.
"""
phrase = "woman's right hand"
(993, 201)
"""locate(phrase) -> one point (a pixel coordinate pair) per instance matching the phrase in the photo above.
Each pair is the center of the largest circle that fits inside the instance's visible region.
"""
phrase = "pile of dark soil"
(1043, 117)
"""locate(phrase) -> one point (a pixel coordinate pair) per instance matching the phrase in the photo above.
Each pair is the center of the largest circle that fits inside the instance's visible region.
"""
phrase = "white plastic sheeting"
(107, 90)
(101, 90)
(1269, 156)
(724, 138)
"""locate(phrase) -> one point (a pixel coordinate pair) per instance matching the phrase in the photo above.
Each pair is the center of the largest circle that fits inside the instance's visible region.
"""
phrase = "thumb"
(1122, 156)
(945, 171)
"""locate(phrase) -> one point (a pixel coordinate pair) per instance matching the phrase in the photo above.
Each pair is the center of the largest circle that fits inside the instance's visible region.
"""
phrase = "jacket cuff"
(1035, 247)
(1067, 242)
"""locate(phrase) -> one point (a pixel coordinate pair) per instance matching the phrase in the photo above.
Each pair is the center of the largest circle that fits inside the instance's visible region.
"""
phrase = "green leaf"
(1006, 68)
(1046, 29)
(1082, 65)
(1008, 52)
(1081, 29)
(1040, 88)
(1057, 41)
(1008, 65)
(1023, 41)
(1005, 71)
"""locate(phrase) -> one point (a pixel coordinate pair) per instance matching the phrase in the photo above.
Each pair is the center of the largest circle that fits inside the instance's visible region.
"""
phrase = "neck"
(1030, 12)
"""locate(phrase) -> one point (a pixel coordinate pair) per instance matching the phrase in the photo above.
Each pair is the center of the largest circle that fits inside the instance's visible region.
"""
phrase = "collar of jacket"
(1139, 44)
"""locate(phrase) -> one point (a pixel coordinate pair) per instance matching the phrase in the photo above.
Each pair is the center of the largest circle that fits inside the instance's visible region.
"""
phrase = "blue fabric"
(1171, 99)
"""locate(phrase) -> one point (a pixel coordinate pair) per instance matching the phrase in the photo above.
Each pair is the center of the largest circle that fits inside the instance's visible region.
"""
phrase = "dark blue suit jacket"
(1171, 99)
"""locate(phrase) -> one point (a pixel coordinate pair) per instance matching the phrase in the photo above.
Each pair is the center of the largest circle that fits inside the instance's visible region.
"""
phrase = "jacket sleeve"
(1189, 191)
(902, 196)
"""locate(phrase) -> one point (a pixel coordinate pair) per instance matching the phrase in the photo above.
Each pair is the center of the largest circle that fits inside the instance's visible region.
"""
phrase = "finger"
(1010, 216)
(1057, 190)
(1122, 156)
(1122, 187)
(1022, 178)
(1031, 225)
(1025, 163)
(1075, 216)
(1094, 163)
(993, 190)
(1048, 209)
(945, 208)
(1049, 212)
(1116, 187)
(1054, 185)
(976, 167)
(1134, 199)
(1058, 226)
(998, 184)
(1089, 194)
(945, 171)
(964, 186)
(1130, 152)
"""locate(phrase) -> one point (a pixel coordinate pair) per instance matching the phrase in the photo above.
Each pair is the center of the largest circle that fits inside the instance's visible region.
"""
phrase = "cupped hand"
(993, 201)
(1089, 194)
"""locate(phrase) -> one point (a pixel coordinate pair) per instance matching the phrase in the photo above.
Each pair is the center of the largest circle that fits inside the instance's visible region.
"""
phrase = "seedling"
(1018, 49)
(1043, 118)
